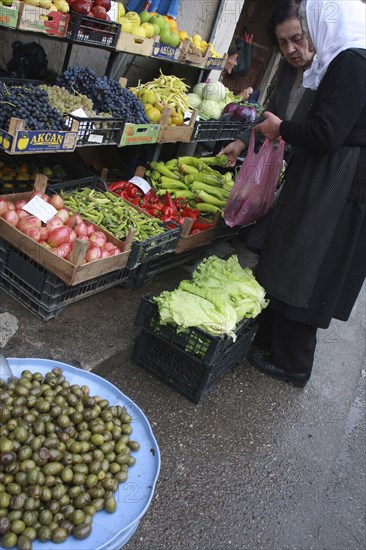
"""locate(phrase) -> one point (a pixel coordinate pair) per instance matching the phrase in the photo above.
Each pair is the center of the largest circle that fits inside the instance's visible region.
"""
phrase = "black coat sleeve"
(339, 102)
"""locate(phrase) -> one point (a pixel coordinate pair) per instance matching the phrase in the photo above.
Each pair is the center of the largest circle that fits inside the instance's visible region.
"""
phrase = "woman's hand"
(232, 151)
(270, 127)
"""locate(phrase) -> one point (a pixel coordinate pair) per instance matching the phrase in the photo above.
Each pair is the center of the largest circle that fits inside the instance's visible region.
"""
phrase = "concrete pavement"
(258, 464)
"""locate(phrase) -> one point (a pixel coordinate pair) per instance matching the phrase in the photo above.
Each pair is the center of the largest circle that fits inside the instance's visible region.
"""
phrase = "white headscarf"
(333, 26)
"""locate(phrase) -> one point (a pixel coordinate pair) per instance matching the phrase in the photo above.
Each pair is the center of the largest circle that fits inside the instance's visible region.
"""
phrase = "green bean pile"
(111, 213)
(63, 455)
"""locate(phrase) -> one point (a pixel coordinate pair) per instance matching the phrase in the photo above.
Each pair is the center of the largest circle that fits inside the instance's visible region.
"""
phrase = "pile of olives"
(63, 455)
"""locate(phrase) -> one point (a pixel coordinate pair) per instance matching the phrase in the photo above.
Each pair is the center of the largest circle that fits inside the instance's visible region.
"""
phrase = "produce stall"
(72, 224)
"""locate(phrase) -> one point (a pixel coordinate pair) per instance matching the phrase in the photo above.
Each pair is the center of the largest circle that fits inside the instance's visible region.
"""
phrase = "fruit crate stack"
(190, 362)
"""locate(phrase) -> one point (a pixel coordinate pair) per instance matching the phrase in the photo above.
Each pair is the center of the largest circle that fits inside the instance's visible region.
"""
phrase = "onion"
(81, 229)
(29, 221)
(45, 244)
(33, 233)
(73, 220)
(11, 217)
(245, 114)
(11, 205)
(63, 214)
(21, 213)
(44, 232)
(73, 236)
(54, 222)
(230, 108)
(3, 206)
(98, 238)
(57, 201)
(63, 251)
(93, 253)
(91, 228)
(19, 204)
(40, 194)
(108, 246)
(59, 236)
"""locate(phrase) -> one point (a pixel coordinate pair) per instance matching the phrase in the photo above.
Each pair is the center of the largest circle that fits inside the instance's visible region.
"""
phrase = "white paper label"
(95, 138)
(80, 113)
(40, 208)
(141, 183)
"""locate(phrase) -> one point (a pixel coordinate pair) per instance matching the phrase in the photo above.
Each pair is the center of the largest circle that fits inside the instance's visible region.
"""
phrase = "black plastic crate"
(97, 130)
(195, 341)
(154, 247)
(146, 272)
(216, 130)
(90, 30)
(40, 290)
(63, 167)
(184, 372)
(91, 181)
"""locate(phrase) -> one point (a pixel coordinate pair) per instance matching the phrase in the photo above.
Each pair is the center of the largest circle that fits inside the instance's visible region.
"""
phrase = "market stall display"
(112, 527)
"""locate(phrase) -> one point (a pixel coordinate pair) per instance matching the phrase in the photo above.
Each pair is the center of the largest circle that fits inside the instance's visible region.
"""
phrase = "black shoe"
(262, 362)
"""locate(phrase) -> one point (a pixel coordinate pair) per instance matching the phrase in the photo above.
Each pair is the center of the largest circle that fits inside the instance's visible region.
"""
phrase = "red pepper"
(169, 202)
(136, 201)
(190, 212)
(150, 197)
(124, 195)
(170, 212)
(201, 225)
(117, 185)
(181, 203)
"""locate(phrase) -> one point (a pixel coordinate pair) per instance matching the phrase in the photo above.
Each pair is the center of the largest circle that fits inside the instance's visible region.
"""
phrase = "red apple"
(106, 4)
(99, 12)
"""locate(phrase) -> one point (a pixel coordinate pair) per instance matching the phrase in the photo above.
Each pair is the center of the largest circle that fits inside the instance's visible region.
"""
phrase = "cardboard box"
(9, 15)
(19, 141)
(134, 44)
(175, 134)
(160, 51)
(36, 19)
(138, 134)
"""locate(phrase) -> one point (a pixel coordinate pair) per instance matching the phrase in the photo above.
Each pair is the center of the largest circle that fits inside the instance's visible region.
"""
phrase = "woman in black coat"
(313, 263)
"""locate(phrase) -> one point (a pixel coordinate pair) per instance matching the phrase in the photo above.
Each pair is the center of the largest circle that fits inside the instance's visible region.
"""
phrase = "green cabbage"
(194, 100)
(214, 91)
(220, 294)
(209, 110)
(198, 89)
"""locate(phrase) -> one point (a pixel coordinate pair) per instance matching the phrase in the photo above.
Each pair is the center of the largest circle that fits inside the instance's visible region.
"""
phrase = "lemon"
(133, 17)
(196, 37)
(153, 114)
(137, 30)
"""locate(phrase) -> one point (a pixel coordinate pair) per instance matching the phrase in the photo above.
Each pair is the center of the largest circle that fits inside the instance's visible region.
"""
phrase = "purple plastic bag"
(254, 190)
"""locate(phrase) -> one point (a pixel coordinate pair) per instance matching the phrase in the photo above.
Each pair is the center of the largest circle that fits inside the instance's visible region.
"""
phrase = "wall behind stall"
(195, 16)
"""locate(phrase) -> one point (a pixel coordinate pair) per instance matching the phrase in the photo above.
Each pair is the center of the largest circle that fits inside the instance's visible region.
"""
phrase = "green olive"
(30, 532)
(17, 526)
(9, 540)
(110, 505)
(81, 531)
(59, 535)
(4, 525)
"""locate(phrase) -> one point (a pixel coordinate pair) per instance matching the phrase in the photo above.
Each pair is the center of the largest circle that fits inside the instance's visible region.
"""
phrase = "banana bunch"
(166, 90)
(50, 5)
(193, 179)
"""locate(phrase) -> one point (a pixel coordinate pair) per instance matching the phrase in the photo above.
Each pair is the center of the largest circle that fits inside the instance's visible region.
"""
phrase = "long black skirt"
(341, 274)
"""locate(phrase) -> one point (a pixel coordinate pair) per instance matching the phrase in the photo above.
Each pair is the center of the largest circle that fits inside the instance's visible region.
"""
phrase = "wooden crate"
(71, 272)
(187, 241)
(134, 44)
(174, 134)
(193, 59)
(19, 141)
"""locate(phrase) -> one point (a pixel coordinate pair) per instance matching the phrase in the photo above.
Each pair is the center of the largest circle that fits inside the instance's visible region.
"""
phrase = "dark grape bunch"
(30, 104)
(107, 95)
